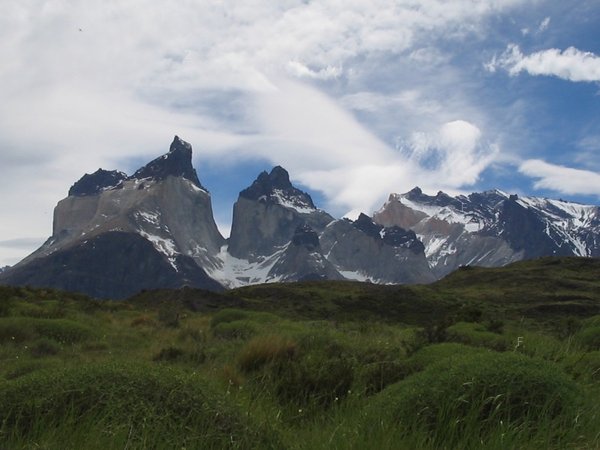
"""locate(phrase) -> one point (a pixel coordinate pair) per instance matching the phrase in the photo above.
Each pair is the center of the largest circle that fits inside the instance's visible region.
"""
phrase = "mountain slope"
(162, 203)
(492, 228)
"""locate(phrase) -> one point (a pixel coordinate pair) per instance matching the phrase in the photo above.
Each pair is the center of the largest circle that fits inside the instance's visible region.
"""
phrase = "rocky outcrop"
(303, 259)
(95, 183)
(366, 251)
(267, 214)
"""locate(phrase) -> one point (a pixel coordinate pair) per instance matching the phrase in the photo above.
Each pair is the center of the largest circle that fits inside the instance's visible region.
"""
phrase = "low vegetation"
(485, 359)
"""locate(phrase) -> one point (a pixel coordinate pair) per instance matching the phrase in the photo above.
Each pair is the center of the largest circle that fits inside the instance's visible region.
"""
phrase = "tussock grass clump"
(45, 310)
(376, 376)
(265, 349)
(44, 347)
(136, 406)
(169, 354)
(477, 335)
(478, 394)
(434, 353)
(238, 329)
(20, 329)
(143, 320)
(228, 315)
(584, 366)
(589, 337)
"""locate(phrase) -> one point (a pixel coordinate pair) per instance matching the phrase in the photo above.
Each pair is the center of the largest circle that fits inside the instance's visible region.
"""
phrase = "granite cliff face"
(267, 214)
(114, 234)
(365, 251)
(163, 203)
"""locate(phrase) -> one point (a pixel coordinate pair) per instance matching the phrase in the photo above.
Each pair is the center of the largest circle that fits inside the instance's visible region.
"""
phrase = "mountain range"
(114, 234)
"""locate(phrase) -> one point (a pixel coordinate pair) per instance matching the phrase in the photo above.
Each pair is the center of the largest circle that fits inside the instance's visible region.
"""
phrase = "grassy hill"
(485, 358)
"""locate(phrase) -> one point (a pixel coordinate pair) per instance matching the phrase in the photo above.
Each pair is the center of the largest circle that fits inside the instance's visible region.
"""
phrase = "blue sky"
(356, 99)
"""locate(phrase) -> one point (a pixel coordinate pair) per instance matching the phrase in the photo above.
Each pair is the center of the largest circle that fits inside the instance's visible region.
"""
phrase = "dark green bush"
(476, 394)
(239, 329)
(262, 350)
(62, 330)
(376, 376)
(19, 329)
(434, 353)
(45, 310)
(44, 347)
(589, 337)
(5, 307)
(169, 315)
(169, 354)
(584, 367)
(15, 330)
(312, 379)
(228, 315)
(477, 335)
(144, 404)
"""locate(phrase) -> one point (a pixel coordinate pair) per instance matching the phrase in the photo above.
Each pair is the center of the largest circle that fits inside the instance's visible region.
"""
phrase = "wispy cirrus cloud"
(570, 64)
(562, 179)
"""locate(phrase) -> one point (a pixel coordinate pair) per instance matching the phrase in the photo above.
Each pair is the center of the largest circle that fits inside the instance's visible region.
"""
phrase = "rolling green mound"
(485, 358)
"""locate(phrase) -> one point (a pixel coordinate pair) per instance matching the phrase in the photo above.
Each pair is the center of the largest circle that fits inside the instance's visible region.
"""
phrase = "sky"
(356, 99)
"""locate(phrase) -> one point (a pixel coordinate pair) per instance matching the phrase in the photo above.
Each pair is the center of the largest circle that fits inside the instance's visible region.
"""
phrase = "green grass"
(484, 359)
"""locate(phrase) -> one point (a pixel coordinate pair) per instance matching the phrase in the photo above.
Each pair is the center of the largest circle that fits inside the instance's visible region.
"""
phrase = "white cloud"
(455, 153)
(570, 64)
(139, 72)
(562, 179)
(544, 24)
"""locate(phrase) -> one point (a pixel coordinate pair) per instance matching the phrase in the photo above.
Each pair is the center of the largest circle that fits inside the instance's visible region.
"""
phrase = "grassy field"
(484, 359)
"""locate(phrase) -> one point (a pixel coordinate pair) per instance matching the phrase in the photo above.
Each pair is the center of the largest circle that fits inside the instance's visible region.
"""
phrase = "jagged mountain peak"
(92, 184)
(276, 187)
(177, 162)
(394, 236)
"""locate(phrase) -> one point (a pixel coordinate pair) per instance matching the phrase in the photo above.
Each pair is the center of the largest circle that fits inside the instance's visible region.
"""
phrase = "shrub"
(264, 349)
(311, 379)
(589, 337)
(143, 320)
(376, 376)
(20, 329)
(476, 394)
(239, 329)
(477, 335)
(44, 347)
(584, 367)
(48, 310)
(169, 354)
(228, 315)
(5, 308)
(15, 330)
(434, 353)
(191, 334)
(495, 326)
(141, 404)
(568, 326)
(62, 330)
(168, 315)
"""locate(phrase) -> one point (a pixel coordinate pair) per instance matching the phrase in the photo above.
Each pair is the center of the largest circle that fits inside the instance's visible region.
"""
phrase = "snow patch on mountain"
(293, 202)
(165, 246)
(236, 272)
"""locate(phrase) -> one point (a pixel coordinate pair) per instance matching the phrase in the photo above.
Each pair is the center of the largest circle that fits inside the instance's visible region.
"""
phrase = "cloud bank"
(570, 64)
